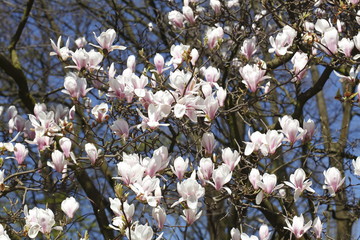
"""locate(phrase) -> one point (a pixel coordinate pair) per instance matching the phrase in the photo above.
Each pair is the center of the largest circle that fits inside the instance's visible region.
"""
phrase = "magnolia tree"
(218, 119)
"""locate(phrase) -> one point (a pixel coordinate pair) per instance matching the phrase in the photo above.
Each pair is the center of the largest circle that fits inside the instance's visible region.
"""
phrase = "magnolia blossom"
(356, 164)
(213, 36)
(100, 111)
(176, 19)
(252, 75)
(120, 128)
(62, 52)
(130, 170)
(159, 63)
(20, 153)
(65, 144)
(3, 234)
(254, 178)
(205, 170)
(159, 214)
(298, 183)
(140, 232)
(299, 61)
(249, 47)
(119, 208)
(145, 188)
(333, 180)
(330, 40)
(188, 13)
(268, 186)
(2, 178)
(297, 227)
(208, 143)
(212, 75)
(264, 232)
(190, 191)
(282, 41)
(244, 236)
(257, 139)
(317, 226)
(69, 206)
(346, 46)
(106, 40)
(191, 215)
(86, 60)
(271, 142)
(235, 234)
(81, 42)
(194, 54)
(92, 152)
(309, 127)
(221, 176)
(352, 75)
(216, 6)
(291, 129)
(58, 161)
(39, 220)
(75, 86)
(230, 158)
(180, 167)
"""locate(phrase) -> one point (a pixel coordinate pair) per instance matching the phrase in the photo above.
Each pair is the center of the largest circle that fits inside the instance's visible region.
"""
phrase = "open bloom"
(69, 206)
(268, 186)
(39, 220)
(3, 234)
(252, 75)
(244, 236)
(333, 180)
(120, 128)
(180, 167)
(190, 191)
(191, 215)
(106, 40)
(62, 52)
(298, 183)
(221, 176)
(297, 227)
(291, 129)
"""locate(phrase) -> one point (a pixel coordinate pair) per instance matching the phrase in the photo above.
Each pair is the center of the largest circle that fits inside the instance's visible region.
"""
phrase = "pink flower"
(180, 167)
(100, 111)
(58, 161)
(249, 47)
(92, 152)
(333, 180)
(159, 214)
(346, 46)
(80, 42)
(69, 206)
(235, 234)
(254, 178)
(62, 52)
(297, 227)
(65, 144)
(106, 40)
(264, 232)
(75, 86)
(216, 6)
(176, 19)
(208, 143)
(190, 215)
(120, 128)
(212, 75)
(291, 129)
(299, 61)
(119, 208)
(214, 36)
(309, 127)
(356, 164)
(317, 226)
(20, 153)
(257, 139)
(268, 186)
(252, 75)
(330, 40)
(159, 63)
(190, 191)
(282, 41)
(298, 183)
(211, 105)
(194, 54)
(221, 176)
(230, 158)
(205, 170)
(188, 14)
(244, 236)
